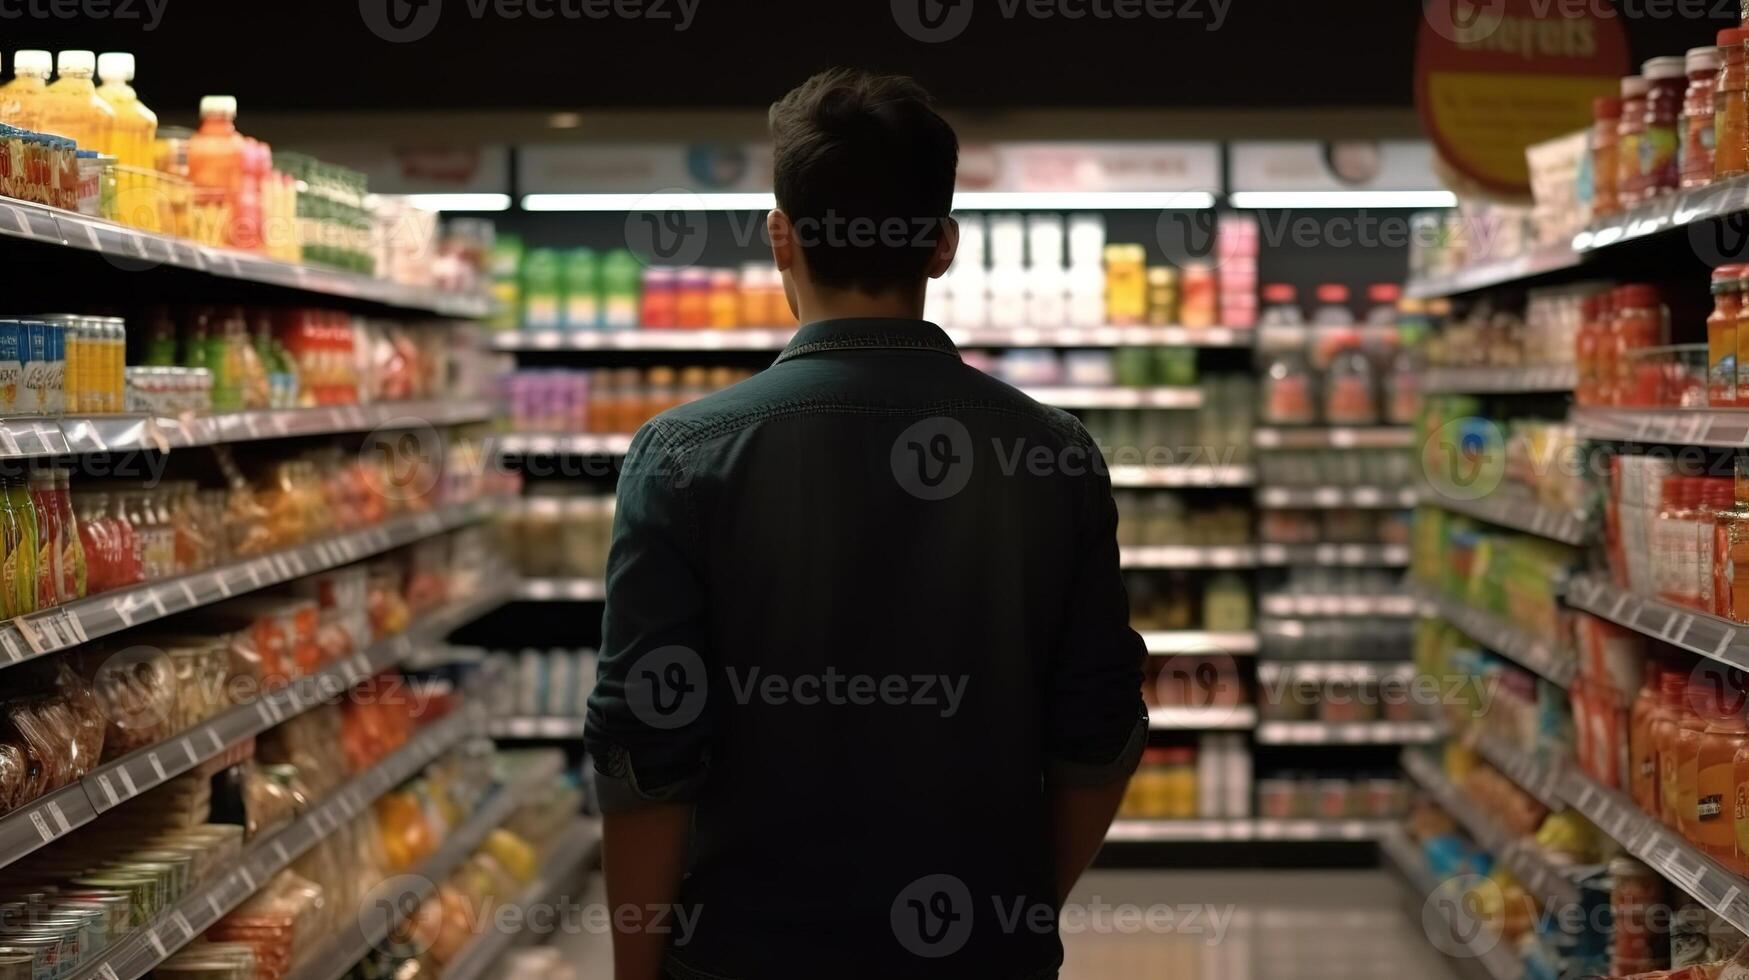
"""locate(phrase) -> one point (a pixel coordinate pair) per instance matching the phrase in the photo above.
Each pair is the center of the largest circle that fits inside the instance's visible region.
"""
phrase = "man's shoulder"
(774, 394)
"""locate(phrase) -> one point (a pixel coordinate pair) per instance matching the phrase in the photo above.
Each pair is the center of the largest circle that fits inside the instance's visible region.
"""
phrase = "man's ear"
(783, 239)
(947, 244)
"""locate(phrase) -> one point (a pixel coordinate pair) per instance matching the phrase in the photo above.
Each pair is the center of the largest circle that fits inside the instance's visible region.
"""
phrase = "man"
(868, 697)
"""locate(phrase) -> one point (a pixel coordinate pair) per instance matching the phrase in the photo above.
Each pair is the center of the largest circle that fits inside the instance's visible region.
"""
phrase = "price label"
(42, 826)
(212, 902)
(158, 945)
(182, 923)
(9, 645)
(157, 766)
(188, 592)
(188, 750)
(127, 781)
(218, 743)
(280, 852)
(108, 788)
(107, 972)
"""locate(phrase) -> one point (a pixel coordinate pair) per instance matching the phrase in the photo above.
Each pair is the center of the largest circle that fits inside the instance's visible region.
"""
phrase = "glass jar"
(1698, 112)
(1288, 391)
(1666, 89)
(1630, 182)
(1731, 107)
(1639, 322)
(1605, 169)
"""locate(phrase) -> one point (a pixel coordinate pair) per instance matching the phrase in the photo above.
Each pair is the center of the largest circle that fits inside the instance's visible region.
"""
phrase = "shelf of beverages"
(1722, 428)
(1324, 497)
(1524, 379)
(756, 339)
(1532, 652)
(1665, 212)
(560, 866)
(1514, 508)
(1169, 642)
(1540, 877)
(372, 925)
(1355, 733)
(1191, 831)
(1168, 556)
(535, 728)
(1488, 274)
(62, 627)
(152, 942)
(1217, 718)
(1334, 555)
(1334, 437)
(1681, 626)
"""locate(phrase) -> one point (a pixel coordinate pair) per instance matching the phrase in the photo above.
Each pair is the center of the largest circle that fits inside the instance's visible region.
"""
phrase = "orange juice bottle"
(215, 162)
(1715, 780)
(1642, 776)
(21, 100)
(73, 108)
(136, 127)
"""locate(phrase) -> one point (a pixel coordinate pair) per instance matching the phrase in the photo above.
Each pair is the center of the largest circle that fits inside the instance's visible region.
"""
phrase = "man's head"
(864, 174)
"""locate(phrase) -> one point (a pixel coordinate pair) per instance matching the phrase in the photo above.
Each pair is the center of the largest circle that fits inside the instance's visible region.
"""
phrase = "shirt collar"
(868, 333)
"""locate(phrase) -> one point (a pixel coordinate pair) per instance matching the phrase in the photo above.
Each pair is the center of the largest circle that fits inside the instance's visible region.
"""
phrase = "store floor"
(1265, 925)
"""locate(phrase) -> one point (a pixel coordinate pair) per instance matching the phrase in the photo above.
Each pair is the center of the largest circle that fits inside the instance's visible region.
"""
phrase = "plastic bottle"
(1715, 771)
(72, 107)
(21, 100)
(1699, 135)
(1666, 87)
(74, 562)
(215, 162)
(1731, 107)
(136, 127)
(24, 562)
(1630, 182)
(51, 551)
(1721, 335)
(1605, 166)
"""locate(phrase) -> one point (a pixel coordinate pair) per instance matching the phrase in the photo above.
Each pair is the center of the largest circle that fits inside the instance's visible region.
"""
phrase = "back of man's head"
(864, 169)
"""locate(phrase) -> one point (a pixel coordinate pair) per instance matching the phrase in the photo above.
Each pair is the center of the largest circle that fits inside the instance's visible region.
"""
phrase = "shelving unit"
(372, 924)
(1719, 428)
(1185, 831)
(1500, 273)
(1184, 477)
(1334, 437)
(1692, 630)
(1169, 642)
(1236, 718)
(1334, 555)
(535, 728)
(1518, 511)
(1309, 498)
(560, 865)
(561, 590)
(1474, 948)
(1534, 653)
(775, 339)
(1222, 556)
(1355, 733)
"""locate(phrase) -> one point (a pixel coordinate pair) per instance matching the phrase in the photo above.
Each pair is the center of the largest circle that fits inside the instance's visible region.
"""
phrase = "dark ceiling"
(320, 54)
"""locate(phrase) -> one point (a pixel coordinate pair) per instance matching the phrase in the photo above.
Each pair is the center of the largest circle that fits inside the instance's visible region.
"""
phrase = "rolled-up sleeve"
(1097, 724)
(649, 718)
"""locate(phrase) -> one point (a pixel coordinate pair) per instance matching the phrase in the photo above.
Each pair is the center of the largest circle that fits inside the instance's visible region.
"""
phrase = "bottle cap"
(1384, 292)
(1664, 69)
(1701, 59)
(1332, 292)
(1633, 87)
(218, 105)
(1278, 292)
(33, 62)
(76, 62)
(1731, 40)
(115, 66)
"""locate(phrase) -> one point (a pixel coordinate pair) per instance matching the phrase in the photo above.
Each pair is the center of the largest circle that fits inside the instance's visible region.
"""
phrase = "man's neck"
(850, 303)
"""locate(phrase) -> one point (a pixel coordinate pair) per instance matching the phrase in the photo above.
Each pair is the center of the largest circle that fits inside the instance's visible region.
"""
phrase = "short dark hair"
(855, 155)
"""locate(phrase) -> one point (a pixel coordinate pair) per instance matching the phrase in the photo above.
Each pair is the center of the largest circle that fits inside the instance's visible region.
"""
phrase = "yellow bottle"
(73, 108)
(136, 127)
(21, 100)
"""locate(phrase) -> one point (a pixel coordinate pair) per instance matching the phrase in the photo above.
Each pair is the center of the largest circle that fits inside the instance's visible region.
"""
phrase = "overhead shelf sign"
(1493, 77)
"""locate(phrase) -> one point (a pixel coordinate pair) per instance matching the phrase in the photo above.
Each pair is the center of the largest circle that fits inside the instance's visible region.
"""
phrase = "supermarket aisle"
(1267, 925)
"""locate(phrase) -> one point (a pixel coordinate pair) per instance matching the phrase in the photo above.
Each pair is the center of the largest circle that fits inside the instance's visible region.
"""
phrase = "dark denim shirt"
(858, 607)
